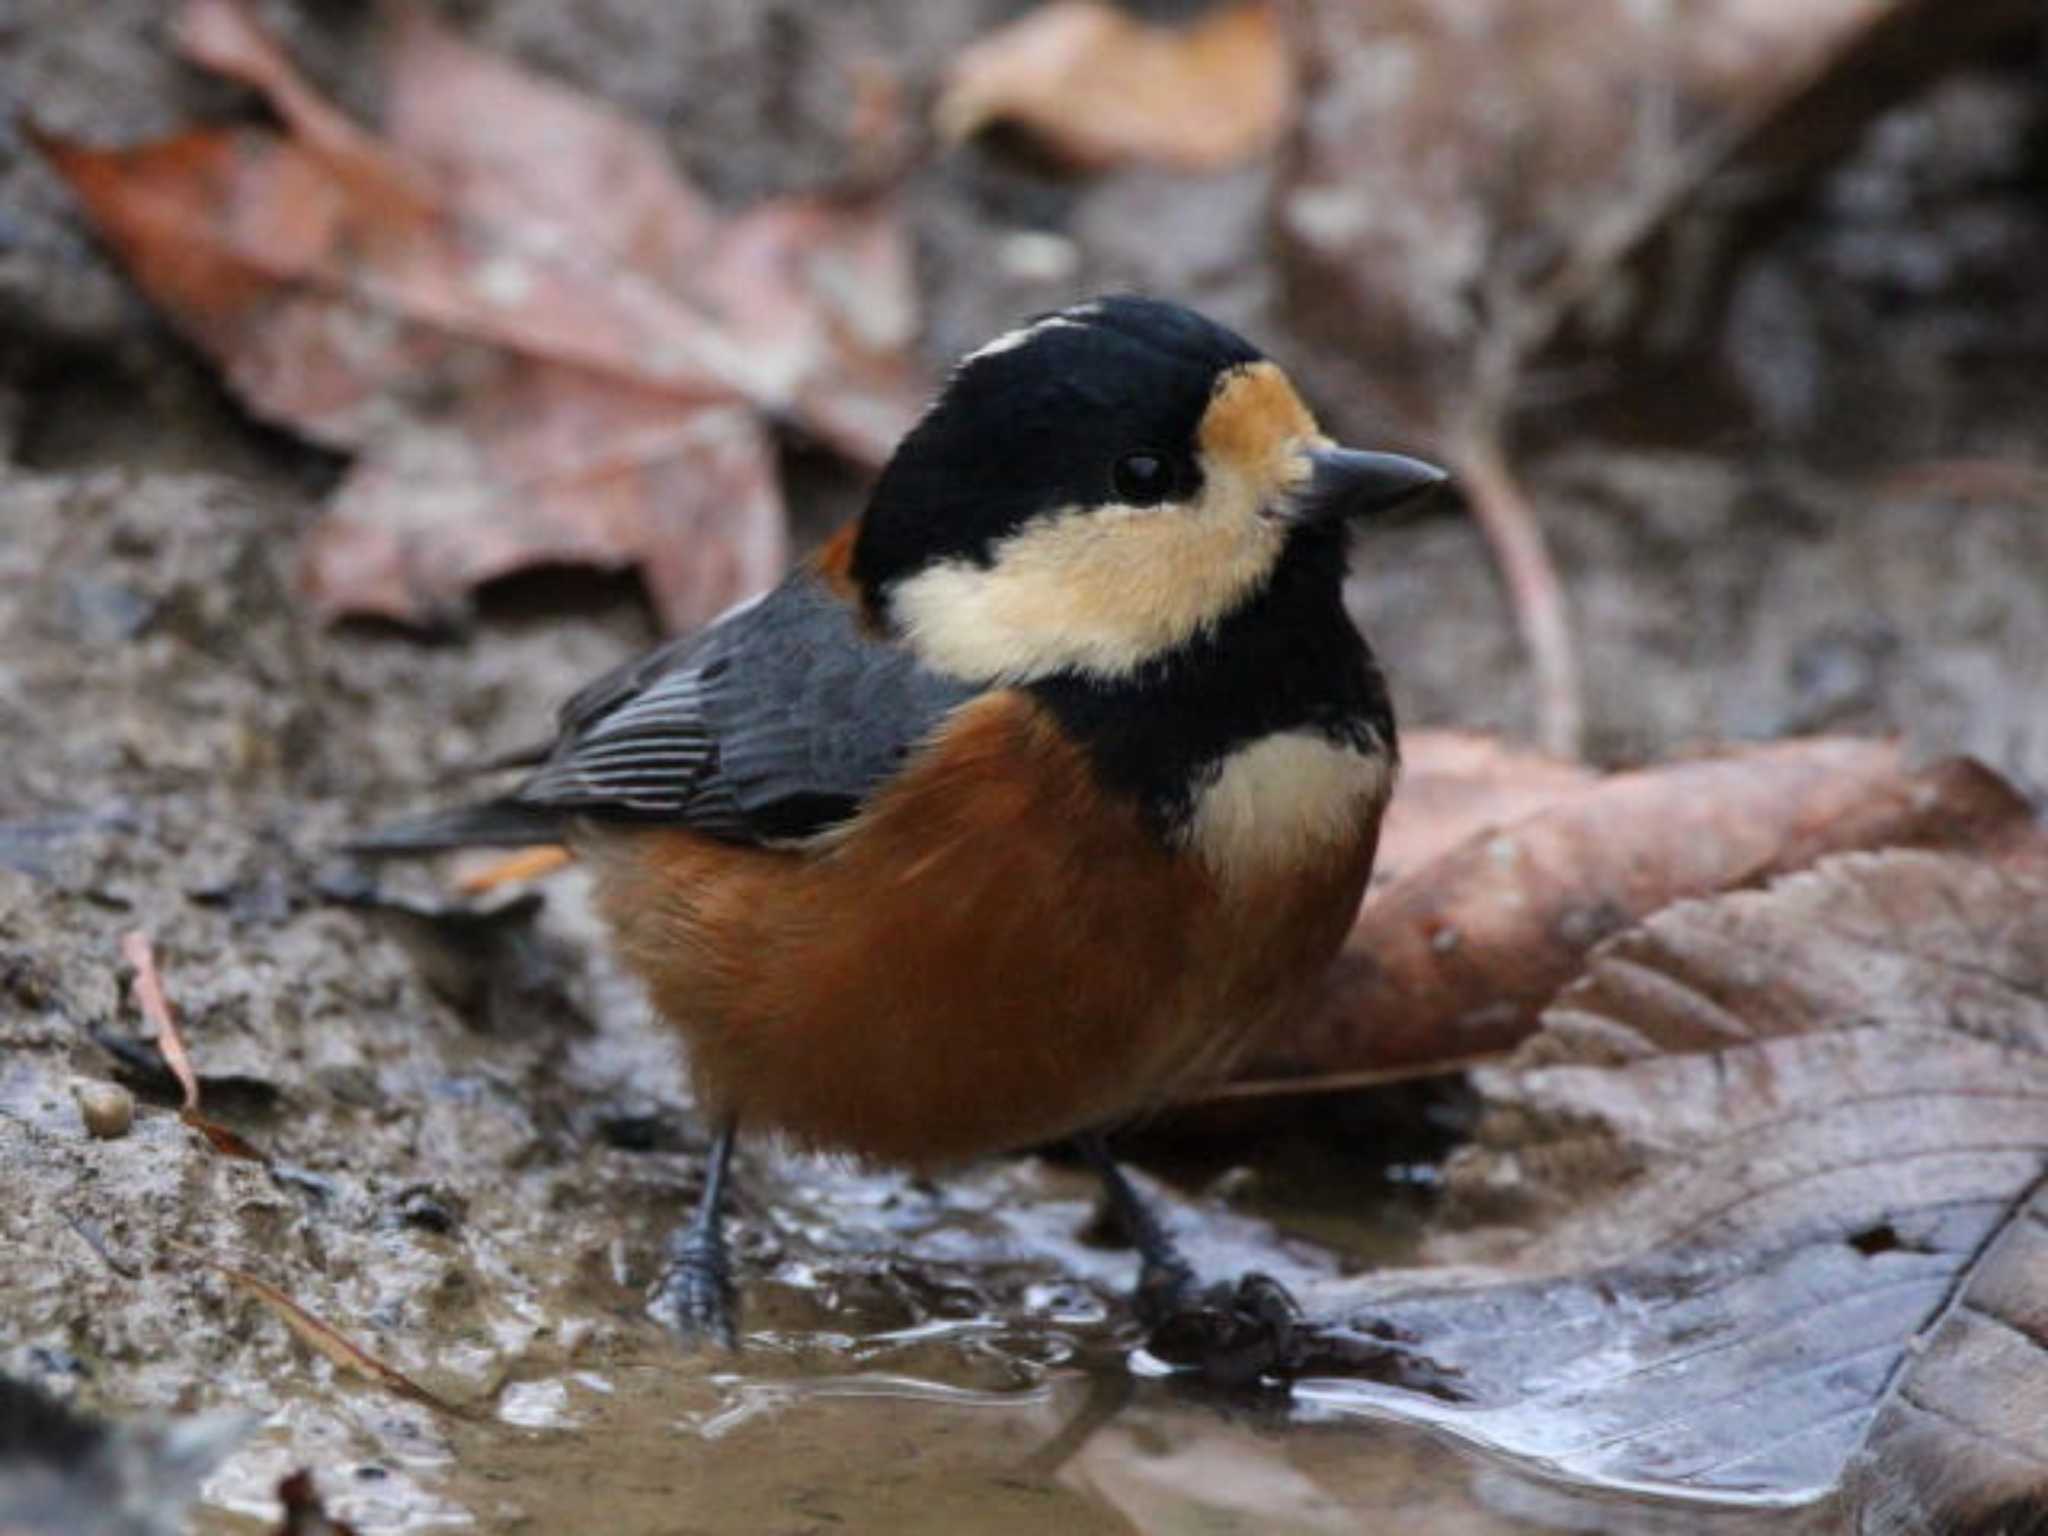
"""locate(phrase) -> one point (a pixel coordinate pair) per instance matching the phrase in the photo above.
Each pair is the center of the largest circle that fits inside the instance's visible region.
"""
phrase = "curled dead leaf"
(1784, 1153)
(543, 345)
(1454, 957)
(1096, 86)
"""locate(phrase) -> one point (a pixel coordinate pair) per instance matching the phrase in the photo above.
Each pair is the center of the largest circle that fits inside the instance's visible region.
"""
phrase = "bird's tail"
(490, 824)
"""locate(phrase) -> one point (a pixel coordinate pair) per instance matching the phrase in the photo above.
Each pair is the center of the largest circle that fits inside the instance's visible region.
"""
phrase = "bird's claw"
(1233, 1336)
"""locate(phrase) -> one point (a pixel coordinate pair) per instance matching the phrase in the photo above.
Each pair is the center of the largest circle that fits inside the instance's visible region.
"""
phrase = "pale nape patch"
(1286, 800)
(1106, 589)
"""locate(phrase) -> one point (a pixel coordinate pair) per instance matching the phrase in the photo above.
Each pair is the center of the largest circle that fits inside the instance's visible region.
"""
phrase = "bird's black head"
(1099, 487)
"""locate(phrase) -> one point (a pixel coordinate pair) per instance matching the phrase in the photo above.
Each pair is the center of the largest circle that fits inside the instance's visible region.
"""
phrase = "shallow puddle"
(648, 1450)
(905, 1393)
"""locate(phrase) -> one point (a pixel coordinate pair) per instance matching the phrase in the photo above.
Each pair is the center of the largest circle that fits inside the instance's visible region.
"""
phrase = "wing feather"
(776, 721)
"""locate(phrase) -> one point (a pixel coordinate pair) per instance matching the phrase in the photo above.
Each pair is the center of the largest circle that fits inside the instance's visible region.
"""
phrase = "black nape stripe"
(1288, 660)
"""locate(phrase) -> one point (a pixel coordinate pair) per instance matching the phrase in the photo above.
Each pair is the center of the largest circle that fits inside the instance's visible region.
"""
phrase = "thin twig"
(1343, 1082)
(327, 1340)
(1534, 589)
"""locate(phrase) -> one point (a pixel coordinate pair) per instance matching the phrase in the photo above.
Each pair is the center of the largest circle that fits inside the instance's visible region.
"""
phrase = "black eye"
(1142, 478)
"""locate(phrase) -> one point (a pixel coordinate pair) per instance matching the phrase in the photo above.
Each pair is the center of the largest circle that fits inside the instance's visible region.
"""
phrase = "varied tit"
(1027, 803)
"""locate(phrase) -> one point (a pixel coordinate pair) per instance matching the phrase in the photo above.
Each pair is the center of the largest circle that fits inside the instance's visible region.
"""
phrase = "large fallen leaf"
(1456, 784)
(1096, 86)
(1474, 177)
(1455, 957)
(1786, 1151)
(544, 346)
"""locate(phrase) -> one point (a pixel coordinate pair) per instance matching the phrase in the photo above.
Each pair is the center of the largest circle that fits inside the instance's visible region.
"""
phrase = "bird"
(1035, 797)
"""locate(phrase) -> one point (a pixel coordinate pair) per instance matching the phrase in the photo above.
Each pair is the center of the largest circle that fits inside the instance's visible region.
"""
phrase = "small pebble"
(108, 1108)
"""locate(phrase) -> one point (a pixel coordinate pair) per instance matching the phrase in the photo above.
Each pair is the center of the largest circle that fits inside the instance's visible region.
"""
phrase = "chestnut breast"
(994, 952)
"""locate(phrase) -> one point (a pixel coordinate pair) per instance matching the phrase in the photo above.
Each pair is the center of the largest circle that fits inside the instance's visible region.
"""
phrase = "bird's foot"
(1233, 1336)
(695, 1295)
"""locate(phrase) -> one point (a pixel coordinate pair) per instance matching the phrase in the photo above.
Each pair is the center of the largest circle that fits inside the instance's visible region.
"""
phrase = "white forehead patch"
(1009, 341)
(1284, 801)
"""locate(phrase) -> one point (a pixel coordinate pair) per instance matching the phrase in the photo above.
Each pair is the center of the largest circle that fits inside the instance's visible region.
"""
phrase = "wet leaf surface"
(1094, 85)
(1782, 1155)
(543, 345)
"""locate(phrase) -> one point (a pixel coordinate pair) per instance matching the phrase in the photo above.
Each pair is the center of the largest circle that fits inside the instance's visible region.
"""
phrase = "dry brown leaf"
(1472, 178)
(1453, 959)
(1095, 86)
(1458, 783)
(1785, 1154)
(544, 346)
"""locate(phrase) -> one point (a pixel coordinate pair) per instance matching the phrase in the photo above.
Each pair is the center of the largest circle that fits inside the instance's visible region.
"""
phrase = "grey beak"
(1346, 483)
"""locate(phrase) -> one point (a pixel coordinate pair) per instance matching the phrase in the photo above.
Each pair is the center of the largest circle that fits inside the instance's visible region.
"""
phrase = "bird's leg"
(695, 1295)
(1234, 1336)
(1165, 1280)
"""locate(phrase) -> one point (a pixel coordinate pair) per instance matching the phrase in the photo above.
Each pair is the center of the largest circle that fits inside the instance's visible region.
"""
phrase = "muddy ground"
(1821, 516)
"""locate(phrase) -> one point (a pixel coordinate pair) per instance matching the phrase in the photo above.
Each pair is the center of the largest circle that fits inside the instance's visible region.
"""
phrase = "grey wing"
(776, 722)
